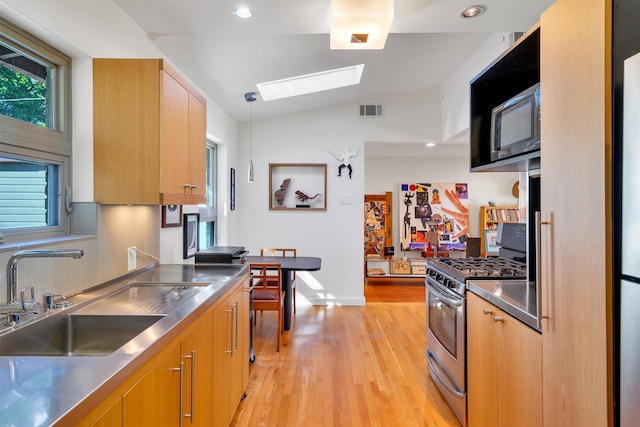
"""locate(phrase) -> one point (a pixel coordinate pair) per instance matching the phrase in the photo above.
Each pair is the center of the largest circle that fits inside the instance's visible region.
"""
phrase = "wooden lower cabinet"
(504, 368)
(197, 355)
(155, 399)
(230, 354)
(207, 366)
(112, 417)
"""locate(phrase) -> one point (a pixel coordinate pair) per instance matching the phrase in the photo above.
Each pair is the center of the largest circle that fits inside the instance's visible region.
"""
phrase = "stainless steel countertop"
(517, 298)
(60, 390)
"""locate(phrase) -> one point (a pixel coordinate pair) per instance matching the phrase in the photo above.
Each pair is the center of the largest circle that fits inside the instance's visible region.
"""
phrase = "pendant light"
(250, 97)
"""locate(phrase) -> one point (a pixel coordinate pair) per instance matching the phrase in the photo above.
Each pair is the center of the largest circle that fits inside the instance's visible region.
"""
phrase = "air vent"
(371, 110)
(513, 37)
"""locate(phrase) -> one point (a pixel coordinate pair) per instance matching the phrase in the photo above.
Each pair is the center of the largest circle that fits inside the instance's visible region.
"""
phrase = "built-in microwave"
(515, 125)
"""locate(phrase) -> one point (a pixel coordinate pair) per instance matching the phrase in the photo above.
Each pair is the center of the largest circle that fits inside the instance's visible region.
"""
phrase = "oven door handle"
(432, 361)
(449, 300)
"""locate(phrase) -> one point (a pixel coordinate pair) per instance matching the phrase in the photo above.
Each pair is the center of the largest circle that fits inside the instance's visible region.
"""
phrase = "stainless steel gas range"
(446, 280)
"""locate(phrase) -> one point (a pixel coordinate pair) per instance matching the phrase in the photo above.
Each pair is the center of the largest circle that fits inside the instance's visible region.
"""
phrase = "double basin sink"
(101, 327)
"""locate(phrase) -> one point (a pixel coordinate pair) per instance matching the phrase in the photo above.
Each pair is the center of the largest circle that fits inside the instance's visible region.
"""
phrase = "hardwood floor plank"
(344, 366)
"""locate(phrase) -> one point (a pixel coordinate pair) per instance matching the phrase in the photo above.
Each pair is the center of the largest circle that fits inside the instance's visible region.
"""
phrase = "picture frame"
(400, 267)
(232, 190)
(171, 216)
(302, 186)
(491, 242)
(190, 234)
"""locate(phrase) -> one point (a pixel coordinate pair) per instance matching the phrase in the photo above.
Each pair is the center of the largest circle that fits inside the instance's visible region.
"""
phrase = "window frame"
(209, 212)
(26, 141)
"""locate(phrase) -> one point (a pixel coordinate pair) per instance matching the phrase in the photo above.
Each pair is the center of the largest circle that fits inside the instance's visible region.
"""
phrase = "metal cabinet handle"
(230, 351)
(487, 311)
(181, 369)
(237, 325)
(498, 319)
(193, 383)
(539, 224)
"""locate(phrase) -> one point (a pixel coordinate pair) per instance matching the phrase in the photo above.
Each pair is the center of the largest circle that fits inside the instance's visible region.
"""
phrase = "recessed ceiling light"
(430, 144)
(243, 12)
(472, 11)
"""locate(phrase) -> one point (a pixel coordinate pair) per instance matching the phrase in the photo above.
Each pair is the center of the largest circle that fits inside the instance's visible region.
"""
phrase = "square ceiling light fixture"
(310, 83)
(360, 24)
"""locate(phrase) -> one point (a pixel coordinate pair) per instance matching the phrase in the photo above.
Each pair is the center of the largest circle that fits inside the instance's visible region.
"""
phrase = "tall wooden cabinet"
(576, 253)
(149, 134)
(504, 368)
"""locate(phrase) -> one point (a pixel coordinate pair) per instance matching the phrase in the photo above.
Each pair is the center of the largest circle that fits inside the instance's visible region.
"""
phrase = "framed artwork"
(433, 214)
(299, 186)
(171, 216)
(190, 234)
(232, 190)
(491, 242)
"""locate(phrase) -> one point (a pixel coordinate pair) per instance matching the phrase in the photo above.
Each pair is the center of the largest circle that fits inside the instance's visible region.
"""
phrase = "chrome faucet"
(12, 266)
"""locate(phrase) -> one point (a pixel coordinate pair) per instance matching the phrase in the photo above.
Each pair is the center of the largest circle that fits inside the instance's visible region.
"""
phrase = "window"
(35, 146)
(208, 213)
(28, 191)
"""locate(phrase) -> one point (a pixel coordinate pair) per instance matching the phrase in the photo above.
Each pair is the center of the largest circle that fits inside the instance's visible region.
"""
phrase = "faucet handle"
(31, 305)
(49, 303)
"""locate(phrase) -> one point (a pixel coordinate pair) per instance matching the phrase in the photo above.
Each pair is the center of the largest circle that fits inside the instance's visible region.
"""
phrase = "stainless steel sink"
(145, 298)
(76, 335)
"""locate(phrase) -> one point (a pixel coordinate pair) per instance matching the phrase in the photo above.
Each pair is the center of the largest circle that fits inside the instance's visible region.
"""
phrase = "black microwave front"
(515, 125)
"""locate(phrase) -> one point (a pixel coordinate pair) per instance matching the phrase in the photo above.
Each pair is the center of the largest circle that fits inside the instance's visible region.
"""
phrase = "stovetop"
(464, 269)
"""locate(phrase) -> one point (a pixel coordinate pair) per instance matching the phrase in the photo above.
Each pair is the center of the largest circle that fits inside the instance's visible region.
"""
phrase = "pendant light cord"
(250, 97)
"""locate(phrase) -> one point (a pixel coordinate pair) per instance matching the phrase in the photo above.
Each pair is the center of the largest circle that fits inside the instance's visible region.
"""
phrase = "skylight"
(310, 83)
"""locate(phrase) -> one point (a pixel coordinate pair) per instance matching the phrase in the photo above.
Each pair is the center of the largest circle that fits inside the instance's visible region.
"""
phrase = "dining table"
(288, 264)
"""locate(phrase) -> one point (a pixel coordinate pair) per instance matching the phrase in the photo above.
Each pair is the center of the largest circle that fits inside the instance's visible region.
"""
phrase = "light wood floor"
(344, 366)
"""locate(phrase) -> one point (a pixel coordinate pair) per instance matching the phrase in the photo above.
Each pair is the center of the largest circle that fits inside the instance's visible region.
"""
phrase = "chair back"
(278, 252)
(265, 276)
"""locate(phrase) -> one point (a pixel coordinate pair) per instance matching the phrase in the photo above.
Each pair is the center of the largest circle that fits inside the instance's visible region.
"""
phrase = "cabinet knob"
(488, 311)
(498, 319)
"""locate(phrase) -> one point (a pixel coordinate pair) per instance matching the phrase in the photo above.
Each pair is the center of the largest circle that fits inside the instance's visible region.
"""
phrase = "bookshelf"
(490, 217)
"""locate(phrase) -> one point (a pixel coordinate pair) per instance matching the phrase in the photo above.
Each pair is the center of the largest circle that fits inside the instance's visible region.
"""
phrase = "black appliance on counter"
(231, 255)
(446, 280)
(222, 255)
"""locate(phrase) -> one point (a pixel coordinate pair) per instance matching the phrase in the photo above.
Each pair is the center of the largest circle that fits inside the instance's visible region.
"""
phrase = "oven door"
(446, 340)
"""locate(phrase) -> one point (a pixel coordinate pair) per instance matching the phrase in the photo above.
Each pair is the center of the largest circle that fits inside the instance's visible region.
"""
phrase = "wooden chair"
(284, 252)
(266, 296)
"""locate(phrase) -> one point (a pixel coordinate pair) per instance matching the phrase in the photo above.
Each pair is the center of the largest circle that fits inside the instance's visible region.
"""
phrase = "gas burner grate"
(466, 268)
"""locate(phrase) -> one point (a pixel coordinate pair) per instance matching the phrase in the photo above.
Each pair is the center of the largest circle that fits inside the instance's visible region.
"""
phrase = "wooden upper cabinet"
(149, 134)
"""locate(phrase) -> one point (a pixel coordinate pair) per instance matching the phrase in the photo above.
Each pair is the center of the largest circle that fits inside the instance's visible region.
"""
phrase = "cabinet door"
(126, 131)
(112, 417)
(222, 347)
(520, 374)
(240, 356)
(576, 129)
(197, 146)
(197, 355)
(155, 399)
(174, 134)
(481, 363)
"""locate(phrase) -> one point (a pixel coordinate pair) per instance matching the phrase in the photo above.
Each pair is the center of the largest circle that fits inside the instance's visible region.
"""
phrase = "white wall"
(336, 235)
